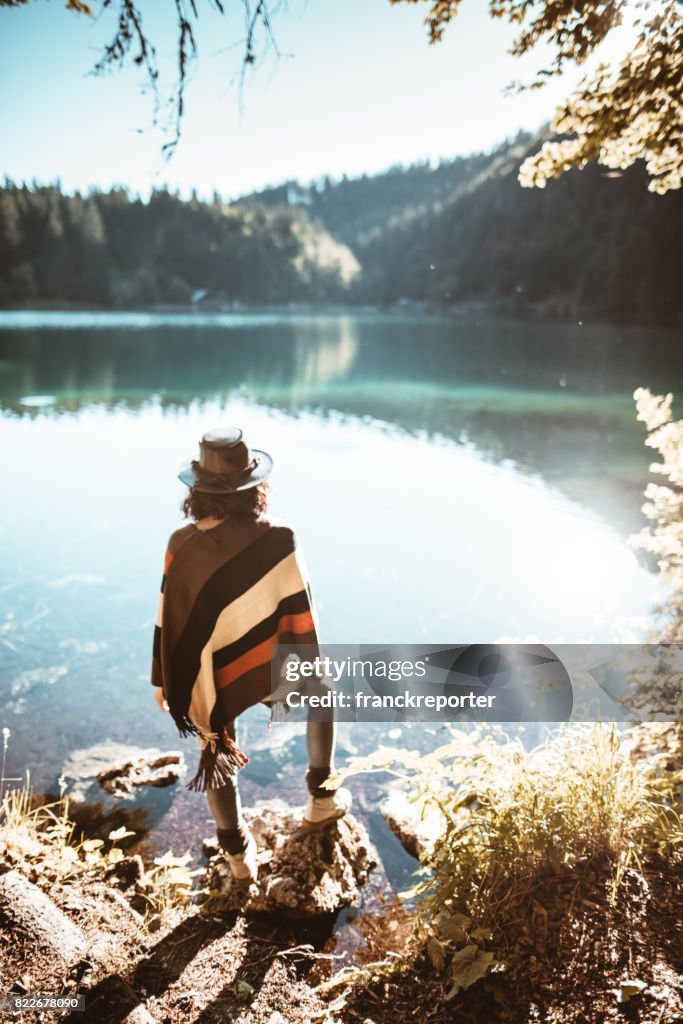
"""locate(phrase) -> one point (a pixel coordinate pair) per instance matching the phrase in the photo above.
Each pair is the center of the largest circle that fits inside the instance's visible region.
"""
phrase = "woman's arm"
(157, 672)
(160, 699)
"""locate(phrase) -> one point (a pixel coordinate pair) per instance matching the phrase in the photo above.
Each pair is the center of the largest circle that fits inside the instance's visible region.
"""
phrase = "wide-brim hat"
(226, 464)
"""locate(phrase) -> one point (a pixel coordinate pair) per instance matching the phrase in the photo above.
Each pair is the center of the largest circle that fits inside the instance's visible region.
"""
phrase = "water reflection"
(556, 399)
(91, 356)
(408, 540)
(411, 537)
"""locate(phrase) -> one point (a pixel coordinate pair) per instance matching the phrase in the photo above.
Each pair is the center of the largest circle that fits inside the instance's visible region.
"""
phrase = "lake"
(450, 479)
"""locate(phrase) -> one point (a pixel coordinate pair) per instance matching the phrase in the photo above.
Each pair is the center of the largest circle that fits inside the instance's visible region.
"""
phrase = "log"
(27, 908)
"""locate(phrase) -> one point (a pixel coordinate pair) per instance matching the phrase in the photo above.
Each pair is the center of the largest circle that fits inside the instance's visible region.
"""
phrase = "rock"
(301, 874)
(149, 770)
(29, 909)
(122, 767)
(139, 1015)
(99, 951)
(416, 830)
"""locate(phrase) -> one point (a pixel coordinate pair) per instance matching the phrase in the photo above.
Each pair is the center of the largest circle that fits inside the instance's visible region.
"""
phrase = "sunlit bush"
(512, 818)
(664, 505)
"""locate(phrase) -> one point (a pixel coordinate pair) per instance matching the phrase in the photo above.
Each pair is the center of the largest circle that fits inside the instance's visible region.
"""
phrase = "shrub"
(511, 818)
(664, 505)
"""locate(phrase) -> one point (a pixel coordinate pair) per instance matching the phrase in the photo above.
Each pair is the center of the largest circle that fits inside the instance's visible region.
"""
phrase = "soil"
(203, 967)
(567, 949)
(567, 959)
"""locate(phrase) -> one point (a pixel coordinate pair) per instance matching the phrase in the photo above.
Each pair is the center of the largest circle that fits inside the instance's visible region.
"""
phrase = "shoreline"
(155, 939)
(407, 310)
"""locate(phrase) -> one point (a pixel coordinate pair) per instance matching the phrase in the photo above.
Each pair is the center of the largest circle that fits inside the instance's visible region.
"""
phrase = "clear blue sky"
(359, 89)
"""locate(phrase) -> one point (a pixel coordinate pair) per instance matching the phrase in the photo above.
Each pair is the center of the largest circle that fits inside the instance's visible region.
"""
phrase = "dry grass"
(157, 946)
(43, 841)
(512, 819)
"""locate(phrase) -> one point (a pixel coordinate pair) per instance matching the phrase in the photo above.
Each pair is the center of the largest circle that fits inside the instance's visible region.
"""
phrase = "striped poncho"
(228, 595)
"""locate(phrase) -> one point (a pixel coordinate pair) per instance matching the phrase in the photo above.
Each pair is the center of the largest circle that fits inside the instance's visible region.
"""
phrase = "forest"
(594, 243)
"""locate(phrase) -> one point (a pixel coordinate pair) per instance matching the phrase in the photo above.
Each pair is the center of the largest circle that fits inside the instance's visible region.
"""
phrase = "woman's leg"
(226, 807)
(320, 738)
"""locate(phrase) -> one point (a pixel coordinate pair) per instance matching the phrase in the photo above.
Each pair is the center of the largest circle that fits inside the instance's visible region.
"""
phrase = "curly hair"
(247, 504)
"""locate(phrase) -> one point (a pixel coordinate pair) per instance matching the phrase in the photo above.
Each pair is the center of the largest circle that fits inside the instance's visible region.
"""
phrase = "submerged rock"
(417, 828)
(120, 769)
(301, 874)
(151, 769)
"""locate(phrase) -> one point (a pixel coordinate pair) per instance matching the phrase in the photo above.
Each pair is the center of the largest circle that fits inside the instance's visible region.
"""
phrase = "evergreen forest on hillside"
(592, 243)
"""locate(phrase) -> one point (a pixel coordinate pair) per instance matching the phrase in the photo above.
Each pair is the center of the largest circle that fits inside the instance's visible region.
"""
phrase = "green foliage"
(615, 117)
(460, 232)
(172, 885)
(465, 231)
(664, 505)
(512, 818)
(618, 118)
(468, 965)
(109, 249)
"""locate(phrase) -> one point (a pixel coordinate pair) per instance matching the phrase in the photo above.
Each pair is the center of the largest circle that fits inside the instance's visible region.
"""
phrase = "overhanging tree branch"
(615, 117)
(131, 42)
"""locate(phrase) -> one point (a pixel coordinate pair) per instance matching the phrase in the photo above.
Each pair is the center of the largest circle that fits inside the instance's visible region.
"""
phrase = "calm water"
(450, 481)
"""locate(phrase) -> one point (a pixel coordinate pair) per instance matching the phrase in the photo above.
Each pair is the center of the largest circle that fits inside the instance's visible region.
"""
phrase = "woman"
(234, 585)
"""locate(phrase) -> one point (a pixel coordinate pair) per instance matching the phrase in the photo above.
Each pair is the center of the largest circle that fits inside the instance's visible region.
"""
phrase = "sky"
(357, 89)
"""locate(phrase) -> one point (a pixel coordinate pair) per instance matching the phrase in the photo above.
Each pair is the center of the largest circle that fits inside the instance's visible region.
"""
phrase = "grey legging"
(225, 804)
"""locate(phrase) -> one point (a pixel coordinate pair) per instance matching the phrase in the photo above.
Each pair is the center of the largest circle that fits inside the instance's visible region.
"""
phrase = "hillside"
(358, 211)
(593, 243)
(111, 249)
(588, 242)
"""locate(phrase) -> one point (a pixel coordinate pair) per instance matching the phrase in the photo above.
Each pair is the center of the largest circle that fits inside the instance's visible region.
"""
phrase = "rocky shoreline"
(157, 940)
(145, 943)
